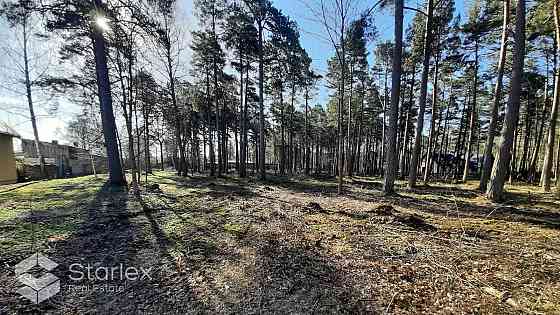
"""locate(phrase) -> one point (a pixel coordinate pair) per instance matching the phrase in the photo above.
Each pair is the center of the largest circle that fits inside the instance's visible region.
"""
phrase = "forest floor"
(284, 246)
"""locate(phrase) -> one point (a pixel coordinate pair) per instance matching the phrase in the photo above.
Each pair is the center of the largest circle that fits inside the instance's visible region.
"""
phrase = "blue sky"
(13, 108)
(320, 50)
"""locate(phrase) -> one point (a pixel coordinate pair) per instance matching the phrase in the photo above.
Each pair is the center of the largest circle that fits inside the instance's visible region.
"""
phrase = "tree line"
(448, 98)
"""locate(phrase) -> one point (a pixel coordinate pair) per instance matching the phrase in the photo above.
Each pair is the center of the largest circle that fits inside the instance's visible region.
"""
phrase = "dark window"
(72, 153)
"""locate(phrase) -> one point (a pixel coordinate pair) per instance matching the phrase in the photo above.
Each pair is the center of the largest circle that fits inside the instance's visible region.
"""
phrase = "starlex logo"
(37, 289)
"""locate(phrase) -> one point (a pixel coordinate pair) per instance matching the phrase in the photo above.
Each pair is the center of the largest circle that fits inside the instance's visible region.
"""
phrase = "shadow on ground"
(228, 245)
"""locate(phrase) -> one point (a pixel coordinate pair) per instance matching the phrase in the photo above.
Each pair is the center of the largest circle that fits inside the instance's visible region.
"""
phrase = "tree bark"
(292, 151)
(487, 164)
(549, 152)
(540, 123)
(211, 151)
(444, 141)
(461, 136)
(522, 167)
(107, 117)
(282, 132)
(30, 100)
(342, 63)
(391, 151)
(126, 107)
(384, 118)
(262, 145)
(557, 169)
(472, 123)
(349, 124)
(407, 123)
(241, 160)
(427, 169)
(306, 133)
(501, 164)
(422, 102)
(358, 143)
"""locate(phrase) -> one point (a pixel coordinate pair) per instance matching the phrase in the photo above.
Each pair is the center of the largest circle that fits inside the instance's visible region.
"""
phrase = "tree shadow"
(299, 278)
(217, 190)
(109, 233)
(95, 235)
(467, 205)
(302, 186)
(16, 187)
(444, 191)
(443, 205)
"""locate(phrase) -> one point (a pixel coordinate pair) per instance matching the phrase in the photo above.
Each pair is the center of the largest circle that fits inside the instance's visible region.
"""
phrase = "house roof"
(5, 129)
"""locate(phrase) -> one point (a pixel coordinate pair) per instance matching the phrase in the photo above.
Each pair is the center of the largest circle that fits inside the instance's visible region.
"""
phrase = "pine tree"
(501, 164)
(19, 16)
(428, 34)
(391, 151)
(487, 162)
(549, 150)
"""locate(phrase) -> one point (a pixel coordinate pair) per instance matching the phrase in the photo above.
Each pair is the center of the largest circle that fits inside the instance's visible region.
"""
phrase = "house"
(8, 170)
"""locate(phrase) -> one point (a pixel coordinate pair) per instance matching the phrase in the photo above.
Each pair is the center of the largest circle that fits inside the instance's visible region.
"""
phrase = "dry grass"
(293, 246)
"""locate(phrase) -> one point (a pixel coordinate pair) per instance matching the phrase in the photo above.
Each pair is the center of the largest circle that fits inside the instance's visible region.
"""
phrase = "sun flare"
(103, 23)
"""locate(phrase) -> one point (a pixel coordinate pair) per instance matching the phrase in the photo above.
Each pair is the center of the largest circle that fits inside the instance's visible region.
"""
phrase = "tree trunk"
(408, 120)
(342, 63)
(472, 124)
(293, 150)
(384, 116)
(487, 164)
(501, 164)
(135, 111)
(127, 113)
(391, 151)
(223, 144)
(535, 155)
(358, 144)
(211, 151)
(240, 160)
(522, 167)
(171, 77)
(444, 142)
(107, 117)
(282, 132)
(306, 133)
(460, 139)
(427, 169)
(557, 168)
(549, 152)
(30, 100)
(513, 162)
(245, 156)
(422, 102)
(92, 164)
(161, 155)
(349, 124)
(262, 145)
(147, 148)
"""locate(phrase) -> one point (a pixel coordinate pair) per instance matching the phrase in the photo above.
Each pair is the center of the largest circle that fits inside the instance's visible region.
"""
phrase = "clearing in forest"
(229, 245)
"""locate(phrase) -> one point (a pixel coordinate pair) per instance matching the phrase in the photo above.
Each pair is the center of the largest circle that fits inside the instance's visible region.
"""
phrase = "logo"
(37, 289)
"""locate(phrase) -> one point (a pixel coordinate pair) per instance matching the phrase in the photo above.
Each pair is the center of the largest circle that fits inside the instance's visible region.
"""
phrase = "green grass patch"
(238, 230)
(45, 210)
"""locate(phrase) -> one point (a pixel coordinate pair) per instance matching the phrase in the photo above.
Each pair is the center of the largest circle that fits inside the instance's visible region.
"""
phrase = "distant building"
(8, 169)
(61, 160)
